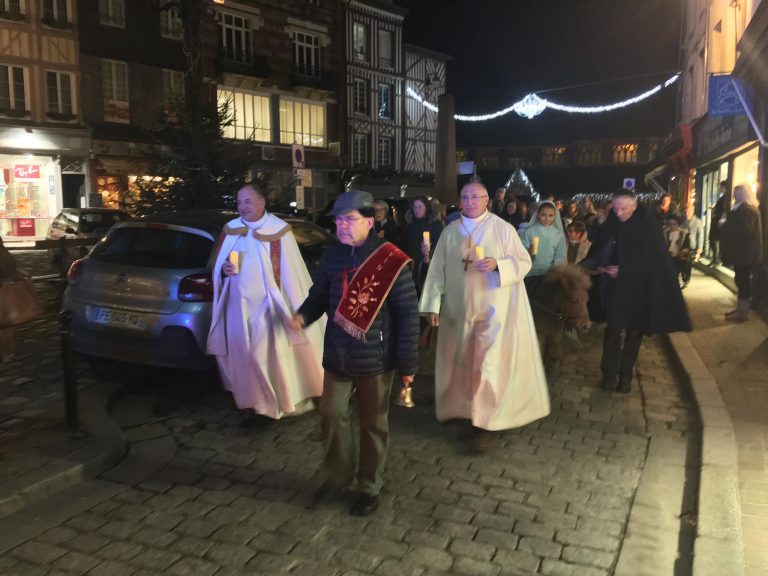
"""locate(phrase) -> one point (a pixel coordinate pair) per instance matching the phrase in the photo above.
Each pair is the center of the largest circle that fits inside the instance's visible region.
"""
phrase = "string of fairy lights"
(531, 105)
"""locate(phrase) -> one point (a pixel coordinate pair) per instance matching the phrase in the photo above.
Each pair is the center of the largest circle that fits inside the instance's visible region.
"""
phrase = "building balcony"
(245, 63)
(314, 77)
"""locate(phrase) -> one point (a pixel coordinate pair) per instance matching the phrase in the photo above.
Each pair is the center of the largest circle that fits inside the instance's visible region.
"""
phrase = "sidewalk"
(40, 456)
(734, 357)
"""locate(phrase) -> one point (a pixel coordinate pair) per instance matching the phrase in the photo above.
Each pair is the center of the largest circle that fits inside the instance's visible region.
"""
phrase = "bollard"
(68, 369)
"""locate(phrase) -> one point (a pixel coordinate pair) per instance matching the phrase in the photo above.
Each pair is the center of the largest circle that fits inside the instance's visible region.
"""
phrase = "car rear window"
(90, 221)
(154, 248)
(308, 234)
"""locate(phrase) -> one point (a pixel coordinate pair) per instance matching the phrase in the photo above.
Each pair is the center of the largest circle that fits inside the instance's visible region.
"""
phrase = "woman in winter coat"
(741, 247)
(417, 220)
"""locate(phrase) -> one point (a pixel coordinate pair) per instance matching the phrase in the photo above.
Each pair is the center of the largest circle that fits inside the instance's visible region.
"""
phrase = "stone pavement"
(736, 356)
(600, 487)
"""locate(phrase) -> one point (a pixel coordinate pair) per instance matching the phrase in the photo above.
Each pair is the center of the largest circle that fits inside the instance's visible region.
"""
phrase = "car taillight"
(75, 272)
(196, 288)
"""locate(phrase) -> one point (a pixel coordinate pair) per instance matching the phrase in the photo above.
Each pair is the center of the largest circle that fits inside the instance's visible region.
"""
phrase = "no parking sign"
(297, 155)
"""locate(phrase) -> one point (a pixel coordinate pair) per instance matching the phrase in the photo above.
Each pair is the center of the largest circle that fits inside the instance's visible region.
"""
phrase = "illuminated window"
(589, 155)
(250, 115)
(58, 89)
(554, 156)
(385, 151)
(385, 101)
(114, 78)
(360, 42)
(360, 149)
(234, 37)
(112, 13)
(56, 11)
(302, 122)
(625, 153)
(170, 23)
(360, 96)
(306, 54)
(13, 89)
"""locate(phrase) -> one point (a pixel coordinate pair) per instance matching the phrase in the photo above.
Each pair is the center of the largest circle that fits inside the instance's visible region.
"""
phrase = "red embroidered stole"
(362, 300)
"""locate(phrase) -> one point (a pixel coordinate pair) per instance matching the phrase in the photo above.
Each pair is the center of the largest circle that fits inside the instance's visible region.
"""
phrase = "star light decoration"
(532, 105)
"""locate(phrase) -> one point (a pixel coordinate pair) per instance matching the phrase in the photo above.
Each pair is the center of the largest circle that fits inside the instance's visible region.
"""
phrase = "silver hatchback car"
(144, 293)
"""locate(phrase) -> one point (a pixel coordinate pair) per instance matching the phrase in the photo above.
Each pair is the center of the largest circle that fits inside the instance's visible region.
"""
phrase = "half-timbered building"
(43, 142)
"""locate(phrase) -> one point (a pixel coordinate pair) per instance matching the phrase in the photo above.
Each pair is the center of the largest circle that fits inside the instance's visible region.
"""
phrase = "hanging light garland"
(532, 105)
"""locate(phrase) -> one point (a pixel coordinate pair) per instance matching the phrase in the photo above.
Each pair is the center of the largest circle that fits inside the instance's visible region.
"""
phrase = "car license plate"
(111, 317)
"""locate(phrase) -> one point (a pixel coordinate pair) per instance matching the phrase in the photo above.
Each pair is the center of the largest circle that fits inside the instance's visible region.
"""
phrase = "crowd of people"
(286, 344)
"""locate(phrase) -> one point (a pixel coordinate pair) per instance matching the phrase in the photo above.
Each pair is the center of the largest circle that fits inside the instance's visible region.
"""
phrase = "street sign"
(300, 197)
(722, 98)
(297, 155)
(467, 167)
(304, 175)
(629, 183)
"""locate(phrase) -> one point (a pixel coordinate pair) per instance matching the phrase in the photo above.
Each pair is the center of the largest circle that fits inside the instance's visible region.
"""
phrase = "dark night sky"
(503, 49)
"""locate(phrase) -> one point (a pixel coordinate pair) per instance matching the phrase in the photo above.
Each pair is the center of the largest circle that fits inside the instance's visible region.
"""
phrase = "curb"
(718, 546)
(105, 448)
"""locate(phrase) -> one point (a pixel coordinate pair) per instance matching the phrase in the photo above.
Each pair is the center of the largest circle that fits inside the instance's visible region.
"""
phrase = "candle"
(234, 259)
(534, 245)
(425, 236)
(479, 252)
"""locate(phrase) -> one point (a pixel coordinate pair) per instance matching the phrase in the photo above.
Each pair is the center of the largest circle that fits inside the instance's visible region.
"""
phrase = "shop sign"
(719, 135)
(723, 97)
(26, 171)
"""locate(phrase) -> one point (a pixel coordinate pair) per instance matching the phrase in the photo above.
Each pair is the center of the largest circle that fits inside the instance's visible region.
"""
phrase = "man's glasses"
(477, 198)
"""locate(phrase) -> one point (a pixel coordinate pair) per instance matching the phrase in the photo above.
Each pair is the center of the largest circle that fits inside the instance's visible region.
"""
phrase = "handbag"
(18, 303)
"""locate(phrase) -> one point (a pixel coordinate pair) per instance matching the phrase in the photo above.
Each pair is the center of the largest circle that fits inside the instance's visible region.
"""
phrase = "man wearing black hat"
(365, 288)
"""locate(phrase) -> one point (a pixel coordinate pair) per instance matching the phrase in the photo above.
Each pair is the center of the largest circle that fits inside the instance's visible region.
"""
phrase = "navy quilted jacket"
(392, 341)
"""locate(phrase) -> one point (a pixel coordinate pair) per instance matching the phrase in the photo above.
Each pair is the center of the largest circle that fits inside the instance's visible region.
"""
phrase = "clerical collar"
(477, 220)
(255, 225)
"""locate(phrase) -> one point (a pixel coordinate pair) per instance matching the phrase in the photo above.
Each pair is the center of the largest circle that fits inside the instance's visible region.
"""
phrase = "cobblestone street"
(559, 497)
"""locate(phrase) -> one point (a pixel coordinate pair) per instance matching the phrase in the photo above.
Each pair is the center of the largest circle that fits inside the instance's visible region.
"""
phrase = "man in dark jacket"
(638, 287)
(365, 287)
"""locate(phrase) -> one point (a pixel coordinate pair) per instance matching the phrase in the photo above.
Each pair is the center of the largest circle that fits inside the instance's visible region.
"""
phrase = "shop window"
(250, 116)
(385, 49)
(59, 100)
(589, 155)
(114, 77)
(234, 37)
(56, 12)
(13, 90)
(385, 152)
(385, 101)
(360, 96)
(625, 153)
(302, 122)
(554, 156)
(112, 13)
(306, 54)
(360, 42)
(170, 23)
(13, 9)
(360, 149)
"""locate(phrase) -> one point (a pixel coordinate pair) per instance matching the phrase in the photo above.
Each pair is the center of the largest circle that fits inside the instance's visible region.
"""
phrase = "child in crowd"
(578, 243)
(545, 241)
(678, 243)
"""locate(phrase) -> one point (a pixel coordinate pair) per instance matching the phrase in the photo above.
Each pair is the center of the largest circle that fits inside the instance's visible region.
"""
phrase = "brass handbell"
(405, 398)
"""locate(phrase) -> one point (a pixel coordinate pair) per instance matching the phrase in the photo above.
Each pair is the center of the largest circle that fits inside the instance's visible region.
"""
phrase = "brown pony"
(559, 303)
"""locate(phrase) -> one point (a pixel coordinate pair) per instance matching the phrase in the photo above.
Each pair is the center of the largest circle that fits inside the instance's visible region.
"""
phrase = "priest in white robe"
(260, 280)
(488, 368)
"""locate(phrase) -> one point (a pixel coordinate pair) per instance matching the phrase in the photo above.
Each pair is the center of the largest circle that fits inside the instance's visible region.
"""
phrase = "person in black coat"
(742, 247)
(638, 287)
(360, 364)
(420, 219)
(718, 211)
(384, 226)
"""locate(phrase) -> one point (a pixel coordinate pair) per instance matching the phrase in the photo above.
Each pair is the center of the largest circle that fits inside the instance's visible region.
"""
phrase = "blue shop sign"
(723, 99)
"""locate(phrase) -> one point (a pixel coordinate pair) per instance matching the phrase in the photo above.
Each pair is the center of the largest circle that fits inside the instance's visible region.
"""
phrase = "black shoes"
(624, 386)
(608, 385)
(365, 504)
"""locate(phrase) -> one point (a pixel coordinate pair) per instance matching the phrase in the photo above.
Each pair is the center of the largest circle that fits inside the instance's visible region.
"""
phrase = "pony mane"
(572, 272)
